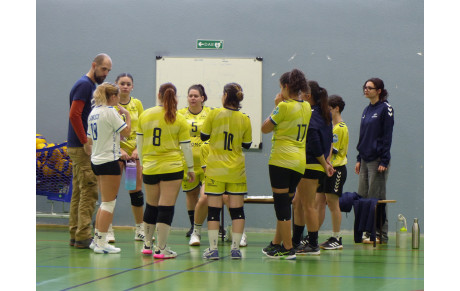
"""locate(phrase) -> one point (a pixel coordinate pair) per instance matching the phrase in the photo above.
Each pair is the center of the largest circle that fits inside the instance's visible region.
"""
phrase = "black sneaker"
(282, 253)
(307, 250)
(332, 243)
(189, 232)
(271, 247)
(302, 243)
(305, 241)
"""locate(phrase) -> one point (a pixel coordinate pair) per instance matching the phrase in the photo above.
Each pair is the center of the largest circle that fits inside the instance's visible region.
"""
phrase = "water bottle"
(401, 232)
(130, 175)
(415, 234)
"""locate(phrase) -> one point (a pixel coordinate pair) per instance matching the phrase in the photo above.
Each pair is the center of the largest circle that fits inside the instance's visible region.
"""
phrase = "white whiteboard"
(214, 74)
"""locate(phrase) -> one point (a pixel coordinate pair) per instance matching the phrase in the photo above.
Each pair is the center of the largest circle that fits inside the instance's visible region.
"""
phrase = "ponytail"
(168, 98)
(320, 97)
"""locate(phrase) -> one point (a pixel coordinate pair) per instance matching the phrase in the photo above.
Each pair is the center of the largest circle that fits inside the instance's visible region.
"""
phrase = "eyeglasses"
(368, 88)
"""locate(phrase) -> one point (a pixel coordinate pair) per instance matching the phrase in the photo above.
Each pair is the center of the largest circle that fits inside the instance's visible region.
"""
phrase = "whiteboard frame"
(213, 74)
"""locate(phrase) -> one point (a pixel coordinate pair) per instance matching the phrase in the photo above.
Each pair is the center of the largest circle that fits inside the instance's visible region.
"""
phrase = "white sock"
(149, 231)
(236, 238)
(197, 229)
(213, 236)
(163, 233)
(336, 234)
(96, 234)
(102, 239)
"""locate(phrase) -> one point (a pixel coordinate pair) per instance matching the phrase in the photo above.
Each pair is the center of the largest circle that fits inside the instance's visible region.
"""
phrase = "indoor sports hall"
(339, 44)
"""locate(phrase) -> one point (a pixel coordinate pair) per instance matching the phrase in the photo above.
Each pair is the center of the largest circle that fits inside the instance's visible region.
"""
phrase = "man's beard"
(99, 79)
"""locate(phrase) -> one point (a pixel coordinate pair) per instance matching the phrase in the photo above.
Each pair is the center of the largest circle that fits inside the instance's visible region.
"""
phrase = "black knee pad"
(236, 213)
(282, 206)
(150, 214)
(214, 213)
(165, 214)
(137, 198)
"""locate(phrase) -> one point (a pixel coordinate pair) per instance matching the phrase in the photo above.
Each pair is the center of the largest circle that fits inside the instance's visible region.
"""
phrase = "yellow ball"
(38, 166)
(40, 139)
(47, 170)
(41, 155)
(64, 152)
(46, 155)
(64, 166)
(56, 155)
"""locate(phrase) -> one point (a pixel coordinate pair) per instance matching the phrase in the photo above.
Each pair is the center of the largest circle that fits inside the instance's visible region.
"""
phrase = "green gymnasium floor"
(356, 267)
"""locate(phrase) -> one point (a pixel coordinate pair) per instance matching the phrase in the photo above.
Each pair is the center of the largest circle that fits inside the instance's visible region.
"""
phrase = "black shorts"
(313, 174)
(110, 168)
(334, 184)
(155, 179)
(281, 178)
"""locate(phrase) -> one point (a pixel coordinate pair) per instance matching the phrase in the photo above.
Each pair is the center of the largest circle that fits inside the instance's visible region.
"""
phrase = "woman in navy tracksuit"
(375, 136)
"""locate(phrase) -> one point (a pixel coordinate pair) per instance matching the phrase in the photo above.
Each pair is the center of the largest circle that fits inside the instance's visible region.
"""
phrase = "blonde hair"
(103, 92)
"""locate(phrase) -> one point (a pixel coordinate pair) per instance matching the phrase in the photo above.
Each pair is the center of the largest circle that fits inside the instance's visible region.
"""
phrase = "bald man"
(84, 193)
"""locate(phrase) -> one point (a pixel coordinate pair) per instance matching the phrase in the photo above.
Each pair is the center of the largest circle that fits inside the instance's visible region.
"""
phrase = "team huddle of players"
(200, 149)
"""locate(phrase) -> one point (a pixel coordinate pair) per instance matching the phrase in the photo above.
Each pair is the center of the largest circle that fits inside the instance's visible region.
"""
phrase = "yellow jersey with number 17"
(228, 130)
(161, 152)
(291, 119)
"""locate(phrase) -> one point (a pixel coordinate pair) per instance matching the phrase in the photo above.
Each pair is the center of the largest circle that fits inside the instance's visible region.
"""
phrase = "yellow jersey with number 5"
(195, 121)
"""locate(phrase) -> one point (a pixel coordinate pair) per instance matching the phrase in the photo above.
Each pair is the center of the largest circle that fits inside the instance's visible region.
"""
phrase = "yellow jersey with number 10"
(228, 129)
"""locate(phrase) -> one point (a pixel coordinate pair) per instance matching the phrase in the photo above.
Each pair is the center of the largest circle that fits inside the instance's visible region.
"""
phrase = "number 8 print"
(156, 136)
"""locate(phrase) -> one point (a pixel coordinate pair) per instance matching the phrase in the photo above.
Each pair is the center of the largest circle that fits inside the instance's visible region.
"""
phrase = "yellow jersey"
(195, 122)
(135, 109)
(161, 152)
(228, 130)
(339, 144)
(291, 119)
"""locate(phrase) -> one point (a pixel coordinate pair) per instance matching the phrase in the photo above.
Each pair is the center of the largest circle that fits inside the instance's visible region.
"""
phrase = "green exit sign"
(209, 44)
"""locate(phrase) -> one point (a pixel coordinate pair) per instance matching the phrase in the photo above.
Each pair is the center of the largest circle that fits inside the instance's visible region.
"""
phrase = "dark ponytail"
(319, 95)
